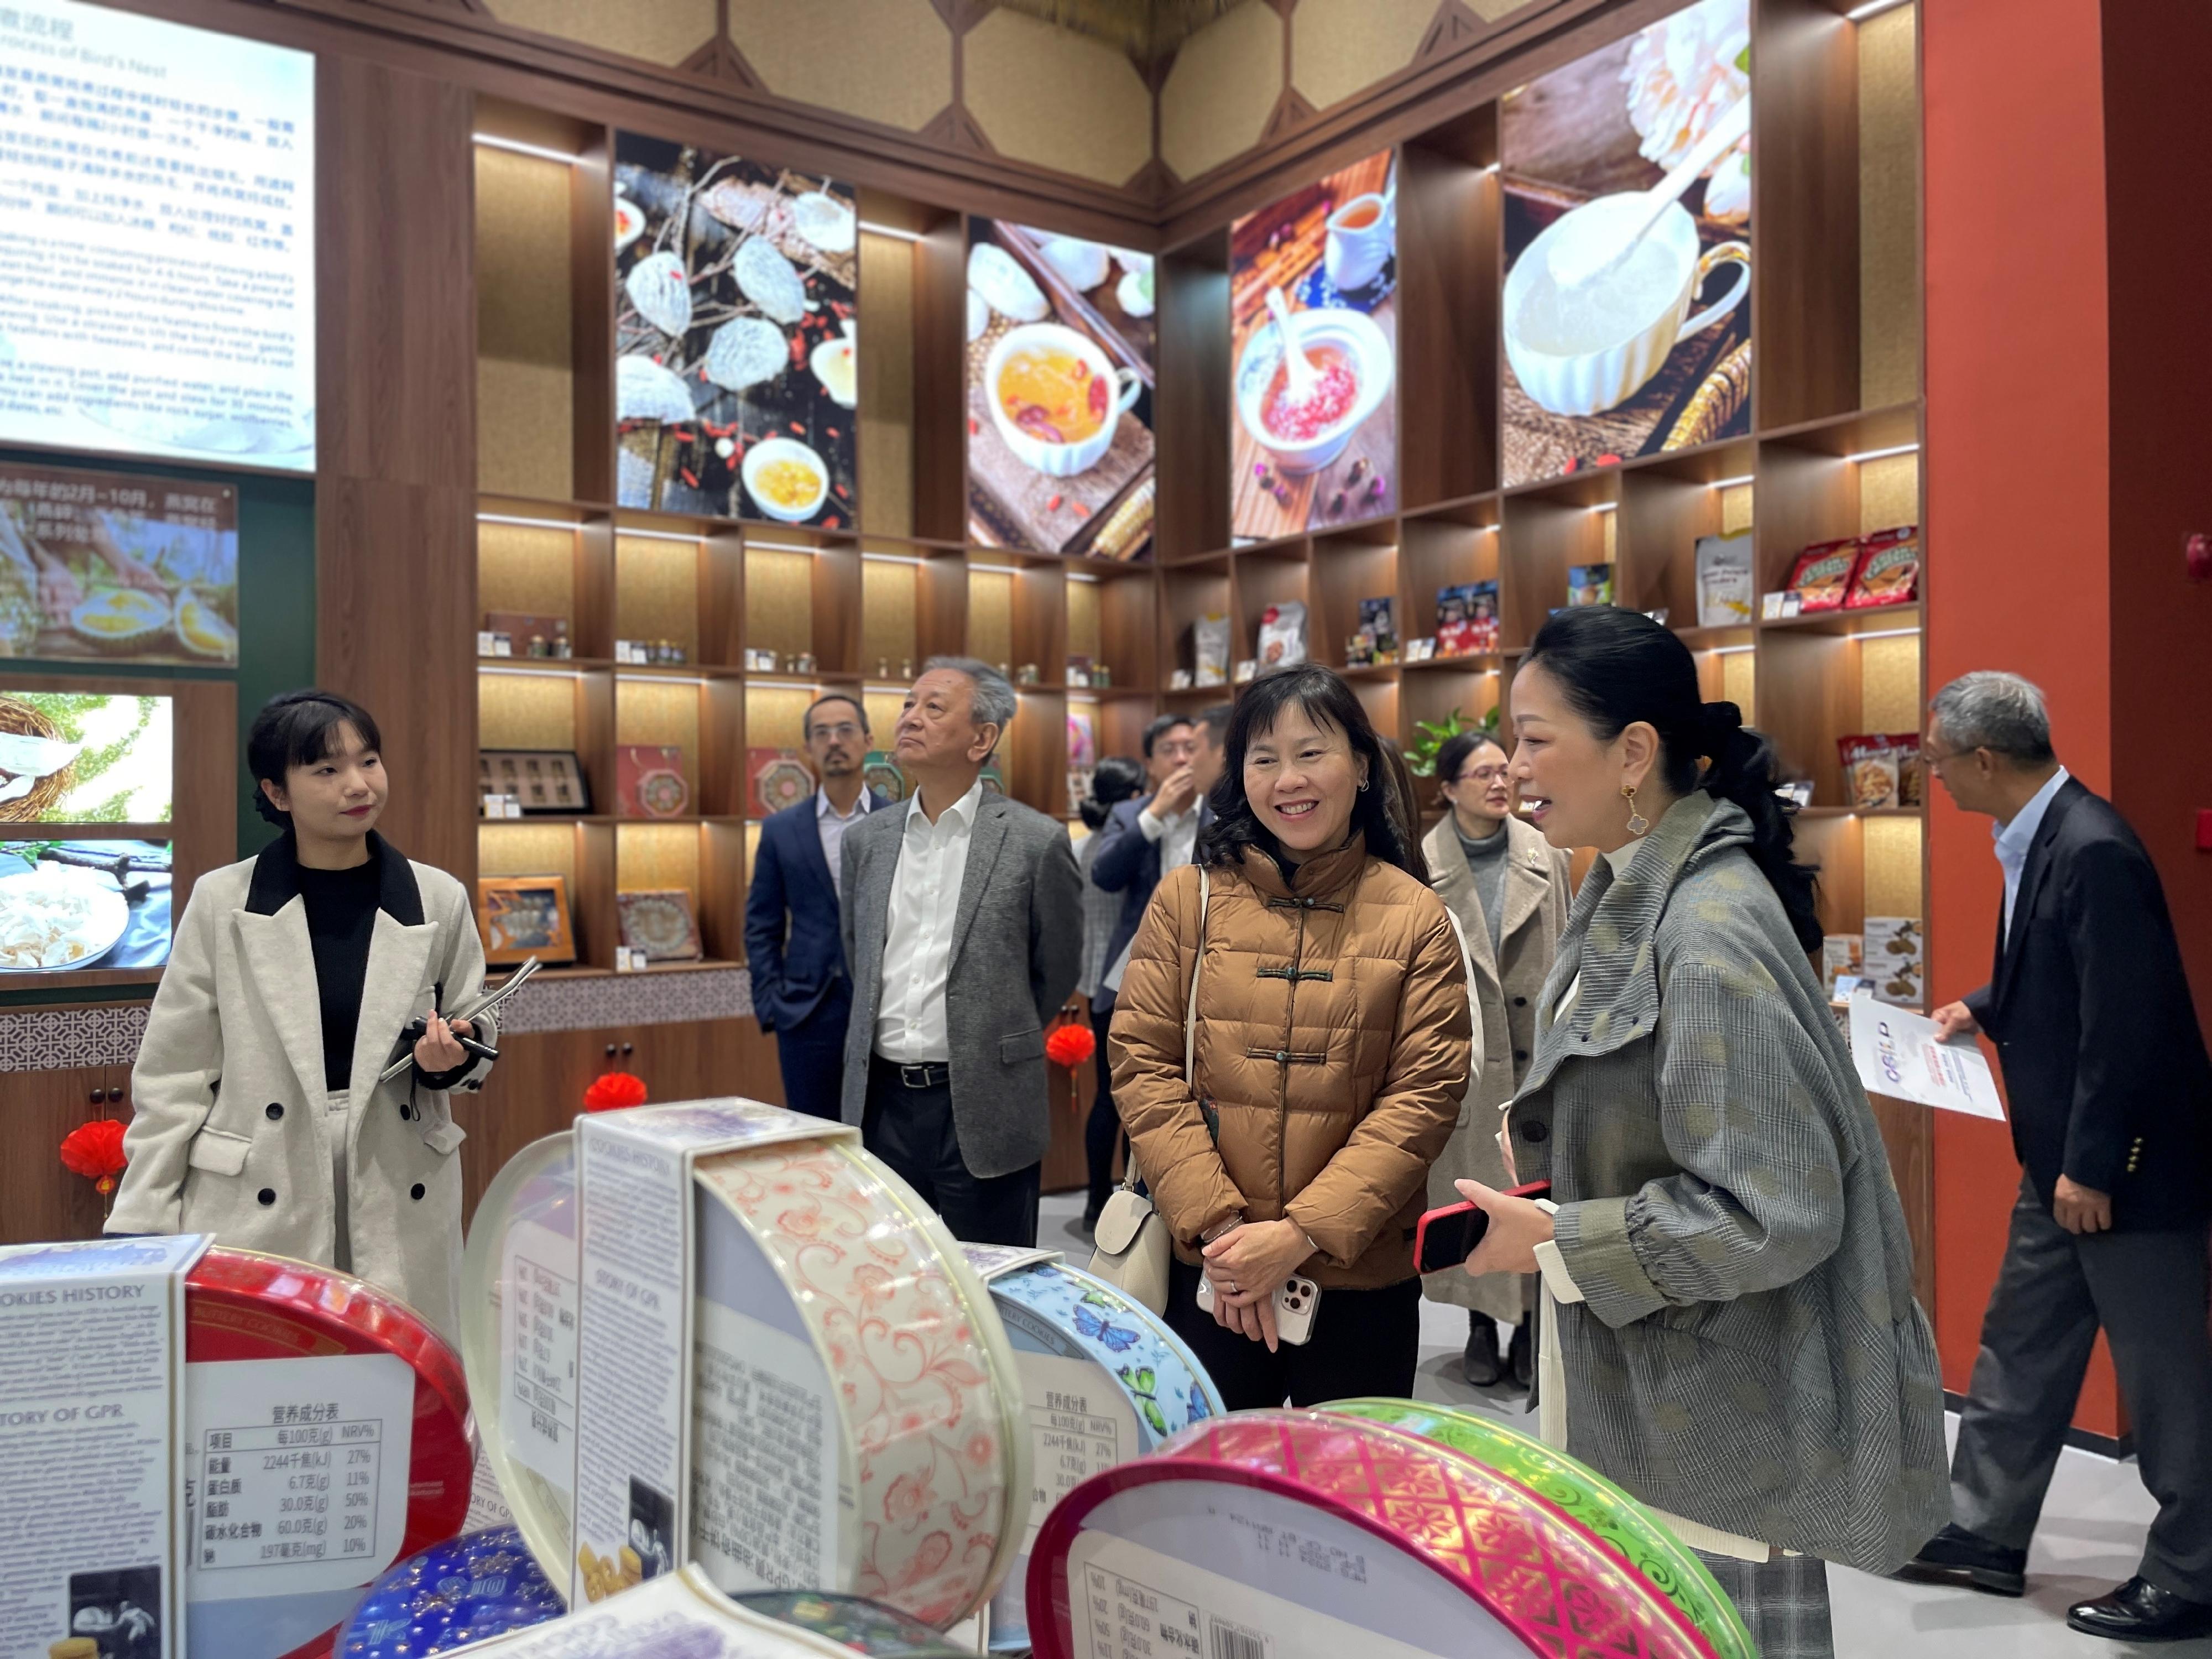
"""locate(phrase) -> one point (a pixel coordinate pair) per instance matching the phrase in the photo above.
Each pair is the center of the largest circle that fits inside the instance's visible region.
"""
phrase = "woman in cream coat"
(1509, 954)
(256, 1118)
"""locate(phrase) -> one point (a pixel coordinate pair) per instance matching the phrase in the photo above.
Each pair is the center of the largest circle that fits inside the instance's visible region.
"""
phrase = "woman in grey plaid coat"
(1735, 1338)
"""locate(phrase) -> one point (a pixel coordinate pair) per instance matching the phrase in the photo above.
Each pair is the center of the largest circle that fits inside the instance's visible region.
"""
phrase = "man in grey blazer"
(963, 929)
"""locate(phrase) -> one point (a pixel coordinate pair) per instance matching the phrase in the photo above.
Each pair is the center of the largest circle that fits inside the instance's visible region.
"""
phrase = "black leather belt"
(934, 1075)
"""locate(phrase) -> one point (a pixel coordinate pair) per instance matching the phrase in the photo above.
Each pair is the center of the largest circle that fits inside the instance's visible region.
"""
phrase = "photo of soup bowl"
(1060, 460)
(1351, 336)
(772, 467)
(1630, 318)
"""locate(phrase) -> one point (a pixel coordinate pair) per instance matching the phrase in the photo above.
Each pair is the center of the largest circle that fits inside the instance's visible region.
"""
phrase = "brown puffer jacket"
(1332, 1044)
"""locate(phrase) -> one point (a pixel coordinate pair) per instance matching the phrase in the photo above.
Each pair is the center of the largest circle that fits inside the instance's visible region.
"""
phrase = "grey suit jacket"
(1017, 949)
(1749, 1353)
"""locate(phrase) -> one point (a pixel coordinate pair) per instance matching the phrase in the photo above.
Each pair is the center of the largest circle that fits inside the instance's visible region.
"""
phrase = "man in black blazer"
(801, 989)
(2111, 1096)
(1144, 839)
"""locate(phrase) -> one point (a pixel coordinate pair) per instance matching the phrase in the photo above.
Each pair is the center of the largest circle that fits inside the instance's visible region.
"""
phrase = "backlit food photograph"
(737, 379)
(114, 565)
(1314, 355)
(67, 904)
(1061, 343)
(83, 757)
(1627, 304)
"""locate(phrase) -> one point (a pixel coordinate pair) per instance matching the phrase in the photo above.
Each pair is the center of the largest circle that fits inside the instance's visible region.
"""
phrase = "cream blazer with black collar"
(230, 1117)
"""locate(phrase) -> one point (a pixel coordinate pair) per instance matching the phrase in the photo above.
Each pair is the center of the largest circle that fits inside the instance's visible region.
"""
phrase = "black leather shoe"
(1480, 1365)
(1523, 1356)
(2139, 1611)
(1955, 1555)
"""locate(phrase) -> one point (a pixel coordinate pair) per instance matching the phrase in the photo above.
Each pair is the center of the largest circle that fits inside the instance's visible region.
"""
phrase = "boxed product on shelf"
(1869, 771)
(780, 778)
(1892, 951)
(1282, 635)
(1912, 776)
(1822, 575)
(1209, 639)
(1841, 955)
(1467, 619)
(649, 782)
(1725, 581)
(1376, 641)
(660, 924)
(541, 780)
(1888, 571)
(881, 773)
(1589, 584)
(528, 633)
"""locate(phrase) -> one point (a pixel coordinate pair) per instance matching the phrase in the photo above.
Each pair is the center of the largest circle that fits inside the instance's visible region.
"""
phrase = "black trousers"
(811, 1055)
(1364, 1342)
(911, 1130)
(2148, 1290)
(1103, 1127)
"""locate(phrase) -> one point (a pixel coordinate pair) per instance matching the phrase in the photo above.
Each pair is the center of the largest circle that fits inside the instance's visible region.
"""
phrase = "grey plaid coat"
(1748, 1354)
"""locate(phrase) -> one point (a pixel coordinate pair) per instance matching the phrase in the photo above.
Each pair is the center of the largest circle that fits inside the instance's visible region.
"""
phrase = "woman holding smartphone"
(1508, 888)
(1327, 1030)
(1732, 1334)
(258, 1114)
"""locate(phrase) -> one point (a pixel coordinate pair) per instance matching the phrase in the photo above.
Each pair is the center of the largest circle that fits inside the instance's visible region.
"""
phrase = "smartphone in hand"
(1296, 1299)
(1446, 1237)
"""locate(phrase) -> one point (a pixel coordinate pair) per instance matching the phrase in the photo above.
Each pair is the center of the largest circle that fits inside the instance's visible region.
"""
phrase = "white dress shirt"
(2015, 839)
(833, 824)
(918, 941)
(1175, 837)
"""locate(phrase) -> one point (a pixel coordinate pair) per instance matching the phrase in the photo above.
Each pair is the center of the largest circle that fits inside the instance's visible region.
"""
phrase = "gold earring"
(1637, 823)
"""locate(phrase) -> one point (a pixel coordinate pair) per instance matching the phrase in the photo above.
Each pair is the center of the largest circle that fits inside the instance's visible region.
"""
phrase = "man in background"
(801, 990)
(964, 923)
(1144, 839)
(2110, 1095)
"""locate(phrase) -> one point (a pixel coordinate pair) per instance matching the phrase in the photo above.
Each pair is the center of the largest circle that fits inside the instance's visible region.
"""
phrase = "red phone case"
(1532, 1189)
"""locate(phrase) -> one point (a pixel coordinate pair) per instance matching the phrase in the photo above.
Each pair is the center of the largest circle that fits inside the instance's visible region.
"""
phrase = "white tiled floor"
(2091, 1537)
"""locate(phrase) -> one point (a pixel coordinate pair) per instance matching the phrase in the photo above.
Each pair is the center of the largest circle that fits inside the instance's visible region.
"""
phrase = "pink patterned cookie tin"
(852, 1418)
(1301, 1535)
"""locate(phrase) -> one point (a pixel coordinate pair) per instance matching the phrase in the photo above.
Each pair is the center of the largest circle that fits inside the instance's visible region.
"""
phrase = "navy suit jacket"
(2088, 1005)
(793, 943)
(1127, 864)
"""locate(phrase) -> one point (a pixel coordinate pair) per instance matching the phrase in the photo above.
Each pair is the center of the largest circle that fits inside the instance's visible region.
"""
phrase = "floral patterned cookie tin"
(1105, 1381)
(852, 1418)
(1304, 1535)
(1618, 1521)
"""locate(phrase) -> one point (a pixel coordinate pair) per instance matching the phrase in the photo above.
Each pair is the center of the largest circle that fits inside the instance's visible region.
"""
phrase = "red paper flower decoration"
(95, 1151)
(1070, 1046)
(613, 1090)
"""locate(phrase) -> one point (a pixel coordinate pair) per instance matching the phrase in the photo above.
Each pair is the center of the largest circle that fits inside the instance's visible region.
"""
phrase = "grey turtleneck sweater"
(1486, 861)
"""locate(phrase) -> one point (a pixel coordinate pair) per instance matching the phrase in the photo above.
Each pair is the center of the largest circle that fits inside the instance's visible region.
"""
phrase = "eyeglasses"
(844, 732)
(1483, 774)
(1935, 761)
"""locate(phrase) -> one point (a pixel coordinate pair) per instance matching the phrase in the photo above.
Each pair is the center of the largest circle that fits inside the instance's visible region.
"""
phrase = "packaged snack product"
(1889, 569)
(1210, 651)
(1822, 574)
(1912, 776)
(1892, 955)
(1724, 581)
(1869, 771)
(1282, 635)
(1589, 584)
(1841, 954)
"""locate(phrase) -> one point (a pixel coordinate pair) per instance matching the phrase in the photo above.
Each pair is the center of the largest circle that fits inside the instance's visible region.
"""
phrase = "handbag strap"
(1129, 1176)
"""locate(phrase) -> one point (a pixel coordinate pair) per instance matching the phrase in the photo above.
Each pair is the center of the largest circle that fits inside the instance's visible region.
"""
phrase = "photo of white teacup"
(1056, 363)
(1363, 234)
(1585, 348)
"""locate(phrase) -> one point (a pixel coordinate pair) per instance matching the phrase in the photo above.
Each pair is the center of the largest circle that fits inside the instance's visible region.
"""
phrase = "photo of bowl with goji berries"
(736, 331)
(1313, 444)
(1060, 393)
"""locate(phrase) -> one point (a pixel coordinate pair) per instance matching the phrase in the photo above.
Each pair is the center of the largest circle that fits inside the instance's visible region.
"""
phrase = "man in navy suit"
(2110, 1093)
(1144, 839)
(801, 989)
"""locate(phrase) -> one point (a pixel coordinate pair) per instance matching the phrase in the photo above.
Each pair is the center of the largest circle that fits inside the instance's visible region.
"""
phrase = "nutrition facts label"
(302, 1488)
(537, 1341)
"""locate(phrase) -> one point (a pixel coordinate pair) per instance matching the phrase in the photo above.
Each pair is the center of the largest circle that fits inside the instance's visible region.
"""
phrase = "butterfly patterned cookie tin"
(466, 1589)
(1303, 1535)
(1105, 1381)
(1619, 1521)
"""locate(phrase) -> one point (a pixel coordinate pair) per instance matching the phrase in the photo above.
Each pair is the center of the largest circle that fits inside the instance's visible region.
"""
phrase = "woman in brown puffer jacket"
(1330, 1050)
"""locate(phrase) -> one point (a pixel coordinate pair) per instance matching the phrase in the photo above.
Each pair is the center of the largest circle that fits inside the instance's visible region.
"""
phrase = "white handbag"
(1132, 1249)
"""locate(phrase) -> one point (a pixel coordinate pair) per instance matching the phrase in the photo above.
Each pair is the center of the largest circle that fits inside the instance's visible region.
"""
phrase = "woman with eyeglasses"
(1508, 889)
